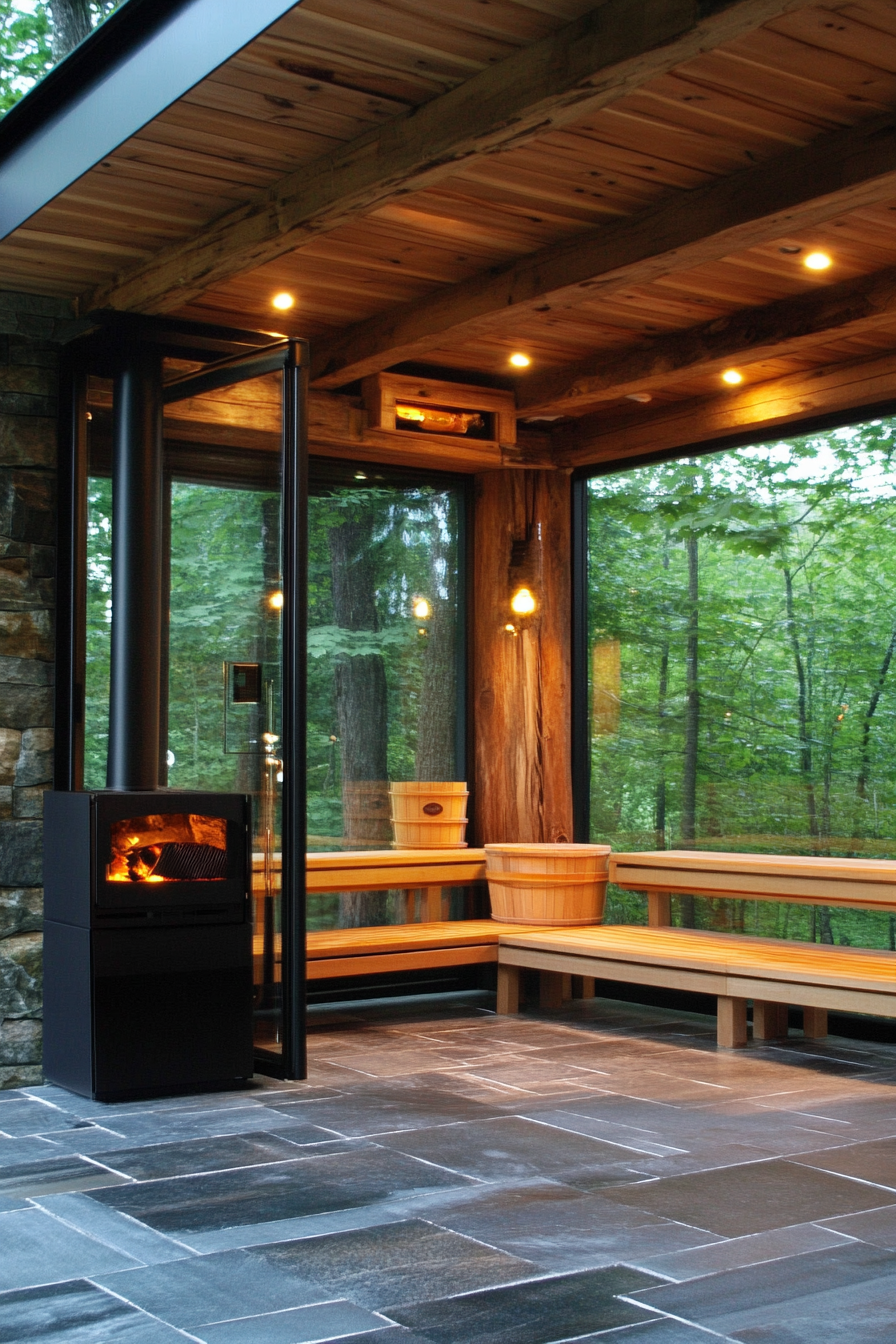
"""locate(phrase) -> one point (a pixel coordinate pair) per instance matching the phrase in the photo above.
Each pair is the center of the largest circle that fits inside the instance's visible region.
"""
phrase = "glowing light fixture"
(523, 602)
(283, 301)
(275, 601)
(732, 377)
(422, 609)
(817, 261)
(520, 361)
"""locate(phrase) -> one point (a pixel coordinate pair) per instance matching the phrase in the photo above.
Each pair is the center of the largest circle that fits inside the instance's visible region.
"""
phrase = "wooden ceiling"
(626, 193)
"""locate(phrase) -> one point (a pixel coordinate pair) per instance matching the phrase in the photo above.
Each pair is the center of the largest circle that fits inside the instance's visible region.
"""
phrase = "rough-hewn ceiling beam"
(838, 172)
(757, 410)
(595, 60)
(779, 328)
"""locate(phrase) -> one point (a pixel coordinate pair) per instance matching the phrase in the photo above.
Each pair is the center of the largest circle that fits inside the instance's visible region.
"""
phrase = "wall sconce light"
(525, 579)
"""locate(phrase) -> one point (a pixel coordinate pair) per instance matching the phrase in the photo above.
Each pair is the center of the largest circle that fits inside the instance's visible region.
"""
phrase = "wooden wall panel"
(521, 694)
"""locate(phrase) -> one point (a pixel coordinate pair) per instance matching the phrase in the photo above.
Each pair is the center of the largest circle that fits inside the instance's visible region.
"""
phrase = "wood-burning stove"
(147, 942)
(147, 933)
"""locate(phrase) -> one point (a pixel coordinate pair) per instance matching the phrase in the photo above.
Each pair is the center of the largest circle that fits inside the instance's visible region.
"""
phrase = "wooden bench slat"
(408, 937)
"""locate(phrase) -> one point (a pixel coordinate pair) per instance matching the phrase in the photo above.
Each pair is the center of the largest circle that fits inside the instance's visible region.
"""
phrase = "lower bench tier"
(772, 972)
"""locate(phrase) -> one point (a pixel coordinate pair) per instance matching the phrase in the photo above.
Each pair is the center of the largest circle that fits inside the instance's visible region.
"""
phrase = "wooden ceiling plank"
(777, 329)
(584, 66)
(836, 173)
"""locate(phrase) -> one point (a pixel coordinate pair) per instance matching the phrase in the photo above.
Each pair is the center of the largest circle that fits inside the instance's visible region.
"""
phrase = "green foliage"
(26, 52)
(796, 543)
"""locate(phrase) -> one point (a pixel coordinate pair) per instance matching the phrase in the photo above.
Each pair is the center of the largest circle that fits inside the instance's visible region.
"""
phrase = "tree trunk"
(865, 757)
(361, 711)
(70, 23)
(662, 710)
(803, 710)
(437, 719)
(691, 719)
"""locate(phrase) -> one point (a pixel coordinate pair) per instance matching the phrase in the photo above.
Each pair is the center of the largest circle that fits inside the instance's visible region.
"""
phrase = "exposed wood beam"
(779, 328)
(840, 171)
(616, 48)
(752, 410)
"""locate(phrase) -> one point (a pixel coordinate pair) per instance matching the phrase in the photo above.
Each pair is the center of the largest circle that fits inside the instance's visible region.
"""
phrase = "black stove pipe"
(135, 674)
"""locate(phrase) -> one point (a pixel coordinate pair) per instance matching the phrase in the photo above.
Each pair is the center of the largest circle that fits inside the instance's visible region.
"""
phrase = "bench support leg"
(732, 1022)
(815, 1023)
(659, 909)
(582, 986)
(769, 1020)
(508, 989)
(551, 990)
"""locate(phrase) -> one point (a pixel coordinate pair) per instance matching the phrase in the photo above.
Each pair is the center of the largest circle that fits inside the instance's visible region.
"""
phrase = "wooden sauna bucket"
(429, 814)
(547, 884)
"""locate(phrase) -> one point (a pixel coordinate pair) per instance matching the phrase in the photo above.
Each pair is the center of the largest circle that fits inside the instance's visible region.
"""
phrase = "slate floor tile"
(562, 1229)
(193, 1156)
(752, 1197)
(22, 1118)
(540, 1312)
(813, 1288)
(210, 1288)
(875, 1161)
(38, 1249)
(878, 1226)
(658, 1331)
(410, 1261)
(738, 1252)
(510, 1147)
(372, 1111)
(77, 1313)
(281, 1190)
(56, 1174)
(297, 1325)
(113, 1228)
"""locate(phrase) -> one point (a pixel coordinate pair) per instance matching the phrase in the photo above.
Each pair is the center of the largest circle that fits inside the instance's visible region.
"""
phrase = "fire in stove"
(174, 847)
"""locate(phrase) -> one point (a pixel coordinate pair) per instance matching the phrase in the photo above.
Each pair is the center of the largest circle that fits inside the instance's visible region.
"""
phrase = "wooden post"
(582, 986)
(431, 911)
(732, 1022)
(659, 909)
(769, 1020)
(508, 989)
(550, 995)
(521, 682)
(815, 1023)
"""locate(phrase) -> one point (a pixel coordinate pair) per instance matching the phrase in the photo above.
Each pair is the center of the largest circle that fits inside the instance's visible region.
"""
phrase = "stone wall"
(31, 328)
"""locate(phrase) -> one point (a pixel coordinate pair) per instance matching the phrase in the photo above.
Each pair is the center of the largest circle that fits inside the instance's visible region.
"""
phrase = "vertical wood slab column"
(551, 989)
(508, 989)
(732, 1022)
(521, 693)
(659, 909)
(815, 1023)
(769, 1020)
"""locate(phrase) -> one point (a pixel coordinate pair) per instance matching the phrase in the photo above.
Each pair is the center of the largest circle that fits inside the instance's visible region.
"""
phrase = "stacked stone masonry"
(31, 330)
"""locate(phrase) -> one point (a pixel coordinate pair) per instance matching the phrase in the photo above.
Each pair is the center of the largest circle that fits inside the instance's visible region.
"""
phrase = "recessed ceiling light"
(283, 301)
(641, 397)
(732, 377)
(791, 250)
(817, 261)
(520, 361)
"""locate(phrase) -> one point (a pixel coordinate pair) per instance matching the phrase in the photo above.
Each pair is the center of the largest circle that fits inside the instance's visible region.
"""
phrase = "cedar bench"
(422, 874)
(773, 972)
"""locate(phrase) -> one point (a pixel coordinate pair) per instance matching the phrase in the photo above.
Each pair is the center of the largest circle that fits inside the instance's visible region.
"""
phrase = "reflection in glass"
(742, 640)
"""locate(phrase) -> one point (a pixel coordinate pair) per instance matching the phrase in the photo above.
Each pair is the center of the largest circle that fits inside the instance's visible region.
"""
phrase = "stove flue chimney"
(135, 673)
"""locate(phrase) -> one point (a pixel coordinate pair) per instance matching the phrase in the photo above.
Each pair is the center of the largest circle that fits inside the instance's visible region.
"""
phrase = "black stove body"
(147, 942)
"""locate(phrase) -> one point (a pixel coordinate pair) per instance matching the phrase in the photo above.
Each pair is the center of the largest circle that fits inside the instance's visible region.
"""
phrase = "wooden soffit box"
(395, 399)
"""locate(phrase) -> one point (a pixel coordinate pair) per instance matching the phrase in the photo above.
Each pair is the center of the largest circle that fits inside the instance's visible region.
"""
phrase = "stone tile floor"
(446, 1176)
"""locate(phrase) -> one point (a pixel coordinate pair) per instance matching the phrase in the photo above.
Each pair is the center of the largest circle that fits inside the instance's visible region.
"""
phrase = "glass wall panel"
(741, 640)
(384, 645)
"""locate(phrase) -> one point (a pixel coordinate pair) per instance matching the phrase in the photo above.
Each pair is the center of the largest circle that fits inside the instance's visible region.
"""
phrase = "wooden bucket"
(425, 800)
(547, 884)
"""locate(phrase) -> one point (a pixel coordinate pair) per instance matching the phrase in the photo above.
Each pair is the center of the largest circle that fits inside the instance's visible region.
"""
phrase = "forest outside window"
(741, 641)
